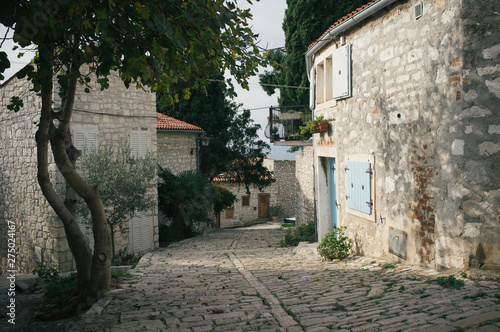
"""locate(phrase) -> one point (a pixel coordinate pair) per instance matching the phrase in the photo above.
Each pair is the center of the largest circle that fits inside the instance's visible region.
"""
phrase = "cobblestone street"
(241, 280)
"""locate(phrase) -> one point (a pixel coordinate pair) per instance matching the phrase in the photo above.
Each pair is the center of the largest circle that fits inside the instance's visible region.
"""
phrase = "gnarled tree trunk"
(94, 271)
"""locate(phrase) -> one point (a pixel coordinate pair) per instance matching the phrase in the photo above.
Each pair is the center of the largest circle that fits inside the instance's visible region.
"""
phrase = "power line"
(264, 84)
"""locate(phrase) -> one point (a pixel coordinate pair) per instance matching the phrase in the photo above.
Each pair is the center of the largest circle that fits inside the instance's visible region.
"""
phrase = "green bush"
(335, 245)
(304, 233)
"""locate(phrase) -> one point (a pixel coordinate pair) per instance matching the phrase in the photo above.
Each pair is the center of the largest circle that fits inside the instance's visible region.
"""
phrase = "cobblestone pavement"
(240, 280)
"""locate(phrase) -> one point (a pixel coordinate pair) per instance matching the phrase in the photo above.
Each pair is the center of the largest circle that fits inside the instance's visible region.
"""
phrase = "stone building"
(411, 91)
(255, 206)
(178, 144)
(101, 118)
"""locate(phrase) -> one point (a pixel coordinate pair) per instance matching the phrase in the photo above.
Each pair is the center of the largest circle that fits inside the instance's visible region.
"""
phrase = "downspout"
(345, 25)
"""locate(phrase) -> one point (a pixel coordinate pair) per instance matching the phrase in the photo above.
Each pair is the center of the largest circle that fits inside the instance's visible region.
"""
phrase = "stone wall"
(281, 192)
(40, 235)
(424, 112)
(304, 189)
(114, 113)
(242, 215)
(177, 150)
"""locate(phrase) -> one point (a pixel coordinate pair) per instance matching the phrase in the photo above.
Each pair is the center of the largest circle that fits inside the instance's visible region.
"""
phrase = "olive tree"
(125, 184)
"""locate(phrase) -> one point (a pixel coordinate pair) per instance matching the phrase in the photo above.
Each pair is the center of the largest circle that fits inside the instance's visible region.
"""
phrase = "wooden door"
(263, 206)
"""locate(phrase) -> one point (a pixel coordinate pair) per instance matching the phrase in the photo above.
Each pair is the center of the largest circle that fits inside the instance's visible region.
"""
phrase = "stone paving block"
(188, 281)
(439, 328)
(477, 320)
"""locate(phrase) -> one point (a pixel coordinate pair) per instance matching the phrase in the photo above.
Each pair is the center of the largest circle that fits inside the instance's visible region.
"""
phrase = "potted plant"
(276, 212)
(275, 133)
(315, 126)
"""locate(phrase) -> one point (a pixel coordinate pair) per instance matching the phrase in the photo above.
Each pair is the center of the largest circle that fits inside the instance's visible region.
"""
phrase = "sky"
(267, 21)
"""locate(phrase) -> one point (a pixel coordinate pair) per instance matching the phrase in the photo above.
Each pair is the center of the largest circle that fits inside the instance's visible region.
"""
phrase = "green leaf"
(141, 304)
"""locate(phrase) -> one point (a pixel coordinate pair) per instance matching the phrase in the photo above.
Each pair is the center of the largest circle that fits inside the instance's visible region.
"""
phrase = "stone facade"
(282, 192)
(178, 151)
(304, 193)
(424, 113)
(107, 118)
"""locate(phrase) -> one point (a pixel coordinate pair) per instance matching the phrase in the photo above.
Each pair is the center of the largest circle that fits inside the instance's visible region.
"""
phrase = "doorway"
(263, 206)
(333, 194)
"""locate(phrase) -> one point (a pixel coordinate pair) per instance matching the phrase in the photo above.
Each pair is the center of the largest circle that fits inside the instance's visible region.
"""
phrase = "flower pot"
(323, 126)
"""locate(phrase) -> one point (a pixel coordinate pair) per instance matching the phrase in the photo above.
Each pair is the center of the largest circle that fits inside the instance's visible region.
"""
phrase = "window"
(331, 78)
(139, 143)
(245, 200)
(359, 186)
(84, 139)
(230, 213)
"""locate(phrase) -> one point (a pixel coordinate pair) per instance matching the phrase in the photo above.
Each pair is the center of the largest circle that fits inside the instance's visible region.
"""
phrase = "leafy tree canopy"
(153, 43)
(304, 22)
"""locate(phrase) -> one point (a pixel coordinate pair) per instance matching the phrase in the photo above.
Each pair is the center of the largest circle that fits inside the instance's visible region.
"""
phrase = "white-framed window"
(139, 143)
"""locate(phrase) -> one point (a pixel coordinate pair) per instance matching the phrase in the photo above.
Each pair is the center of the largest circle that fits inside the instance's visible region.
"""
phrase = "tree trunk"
(94, 273)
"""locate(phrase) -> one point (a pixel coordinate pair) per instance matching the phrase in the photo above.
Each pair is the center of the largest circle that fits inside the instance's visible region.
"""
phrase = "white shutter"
(139, 143)
(135, 231)
(84, 139)
(134, 143)
(341, 72)
(91, 140)
(312, 88)
(79, 140)
(146, 232)
(141, 232)
(143, 143)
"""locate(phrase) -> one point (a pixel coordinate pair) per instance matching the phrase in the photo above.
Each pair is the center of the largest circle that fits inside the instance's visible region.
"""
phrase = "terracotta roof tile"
(166, 122)
(345, 18)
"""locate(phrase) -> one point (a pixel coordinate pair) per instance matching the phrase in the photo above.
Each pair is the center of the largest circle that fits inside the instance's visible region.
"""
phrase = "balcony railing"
(284, 124)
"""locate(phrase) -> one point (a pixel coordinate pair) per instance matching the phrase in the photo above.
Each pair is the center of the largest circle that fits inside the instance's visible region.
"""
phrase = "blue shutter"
(359, 186)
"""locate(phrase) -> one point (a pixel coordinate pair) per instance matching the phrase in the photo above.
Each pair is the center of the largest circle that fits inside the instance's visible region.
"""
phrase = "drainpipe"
(345, 25)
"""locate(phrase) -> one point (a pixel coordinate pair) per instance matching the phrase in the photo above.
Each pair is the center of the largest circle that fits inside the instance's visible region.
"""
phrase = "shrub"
(302, 234)
(335, 245)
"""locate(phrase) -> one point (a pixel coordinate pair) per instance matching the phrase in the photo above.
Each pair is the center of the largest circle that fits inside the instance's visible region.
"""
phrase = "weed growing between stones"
(335, 245)
(450, 282)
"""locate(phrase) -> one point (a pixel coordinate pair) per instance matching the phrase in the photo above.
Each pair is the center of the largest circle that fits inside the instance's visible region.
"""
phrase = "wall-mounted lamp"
(205, 140)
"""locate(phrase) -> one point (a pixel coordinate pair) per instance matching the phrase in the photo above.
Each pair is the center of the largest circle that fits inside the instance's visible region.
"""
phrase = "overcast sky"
(267, 20)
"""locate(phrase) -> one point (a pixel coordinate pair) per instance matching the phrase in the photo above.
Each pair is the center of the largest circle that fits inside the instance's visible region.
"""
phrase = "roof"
(345, 18)
(168, 123)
